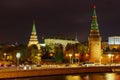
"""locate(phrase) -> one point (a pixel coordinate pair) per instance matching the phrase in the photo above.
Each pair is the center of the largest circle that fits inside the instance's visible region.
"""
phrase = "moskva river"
(88, 76)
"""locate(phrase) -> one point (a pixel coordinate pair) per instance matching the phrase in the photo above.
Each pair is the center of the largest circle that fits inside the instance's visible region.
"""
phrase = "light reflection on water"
(94, 76)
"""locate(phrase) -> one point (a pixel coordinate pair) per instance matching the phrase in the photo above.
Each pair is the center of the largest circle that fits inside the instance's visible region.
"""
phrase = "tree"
(59, 53)
(83, 50)
(22, 49)
(32, 53)
(107, 49)
(10, 52)
(118, 49)
(71, 49)
(45, 50)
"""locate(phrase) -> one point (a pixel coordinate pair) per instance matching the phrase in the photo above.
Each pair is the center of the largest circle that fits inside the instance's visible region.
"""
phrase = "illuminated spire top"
(94, 12)
(76, 38)
(34, 29)
(94, 7)
(94, 25)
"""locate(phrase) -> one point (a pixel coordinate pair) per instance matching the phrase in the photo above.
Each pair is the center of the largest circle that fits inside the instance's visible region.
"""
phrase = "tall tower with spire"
(94, 40)
(33, 38)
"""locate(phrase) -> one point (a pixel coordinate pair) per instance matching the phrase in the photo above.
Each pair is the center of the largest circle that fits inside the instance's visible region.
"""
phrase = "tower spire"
(94, 24)
(94, 39)
(33, 27)
(76, 37)
(34, 38)
(94, 13)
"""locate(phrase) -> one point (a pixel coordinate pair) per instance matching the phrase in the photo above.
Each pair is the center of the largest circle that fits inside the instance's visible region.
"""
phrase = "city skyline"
(56, 18)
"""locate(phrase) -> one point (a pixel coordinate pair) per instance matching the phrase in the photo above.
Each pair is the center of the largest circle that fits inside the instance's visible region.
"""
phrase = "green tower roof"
(94, 25)
(34, 29)
(94, 12)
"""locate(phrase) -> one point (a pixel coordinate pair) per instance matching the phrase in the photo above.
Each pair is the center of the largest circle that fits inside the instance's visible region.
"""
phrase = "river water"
(88, 76)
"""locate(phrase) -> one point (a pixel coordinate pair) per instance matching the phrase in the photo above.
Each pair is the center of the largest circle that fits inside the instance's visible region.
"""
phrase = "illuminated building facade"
(104, 45)
(94, 40)
(114, 41)
(33, 38)
(53, 42)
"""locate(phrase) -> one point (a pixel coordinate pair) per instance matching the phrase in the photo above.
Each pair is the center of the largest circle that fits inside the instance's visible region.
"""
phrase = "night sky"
(57, 18)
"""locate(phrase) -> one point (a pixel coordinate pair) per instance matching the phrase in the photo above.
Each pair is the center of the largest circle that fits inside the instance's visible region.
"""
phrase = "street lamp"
(38, 58)
(111, 57)
(101, 59)
(76, 57)
(70, 55)
(18, 57)
(5, 56)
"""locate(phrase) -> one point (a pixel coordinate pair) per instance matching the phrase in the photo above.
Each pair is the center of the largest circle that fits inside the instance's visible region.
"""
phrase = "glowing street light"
(111, 57)
(18, 55)
(70, 55)
(5, 55)
(38, 58)
(76, 57)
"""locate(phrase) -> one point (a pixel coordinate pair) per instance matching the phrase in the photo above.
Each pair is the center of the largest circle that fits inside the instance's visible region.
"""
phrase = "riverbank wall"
(54, 71)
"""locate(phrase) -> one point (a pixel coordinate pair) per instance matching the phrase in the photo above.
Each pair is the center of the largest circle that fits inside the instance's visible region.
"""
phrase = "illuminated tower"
(33, 38)
(94, 40)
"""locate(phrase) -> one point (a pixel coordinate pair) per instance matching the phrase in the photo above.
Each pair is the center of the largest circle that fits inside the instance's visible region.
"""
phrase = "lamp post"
(76, 57)
(38, 58)
(5, 56)
(111, 57)
(101, 59)
(70, 55)
(18, 57)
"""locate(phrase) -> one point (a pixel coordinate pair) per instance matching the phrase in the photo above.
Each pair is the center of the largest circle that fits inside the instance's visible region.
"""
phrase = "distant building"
(33, 38)
(104, 45)
(114, 41)
(94, 40)
(53, 42)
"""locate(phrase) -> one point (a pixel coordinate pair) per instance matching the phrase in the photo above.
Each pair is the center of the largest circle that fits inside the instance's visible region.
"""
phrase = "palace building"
(53, 42)
(114, 42)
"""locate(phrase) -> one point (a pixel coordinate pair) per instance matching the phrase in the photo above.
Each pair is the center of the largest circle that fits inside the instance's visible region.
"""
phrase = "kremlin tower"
(33, 38)
(94, 40)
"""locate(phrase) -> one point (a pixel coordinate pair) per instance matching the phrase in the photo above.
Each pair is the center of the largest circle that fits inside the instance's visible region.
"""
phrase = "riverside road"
(39, 71)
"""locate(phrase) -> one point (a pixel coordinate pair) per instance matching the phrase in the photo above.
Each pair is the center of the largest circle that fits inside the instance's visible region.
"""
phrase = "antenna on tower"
(76, 38)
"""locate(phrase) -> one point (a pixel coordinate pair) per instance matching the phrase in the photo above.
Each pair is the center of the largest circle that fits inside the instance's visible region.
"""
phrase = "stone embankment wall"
(53, 71)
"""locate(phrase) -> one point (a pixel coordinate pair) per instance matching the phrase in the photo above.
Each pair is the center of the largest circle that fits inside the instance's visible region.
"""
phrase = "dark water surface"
(89, 76)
